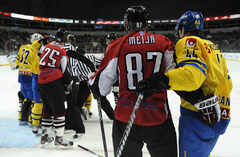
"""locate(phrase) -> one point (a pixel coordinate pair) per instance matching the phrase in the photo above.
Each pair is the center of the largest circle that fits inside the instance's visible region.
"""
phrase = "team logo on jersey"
(191, 42)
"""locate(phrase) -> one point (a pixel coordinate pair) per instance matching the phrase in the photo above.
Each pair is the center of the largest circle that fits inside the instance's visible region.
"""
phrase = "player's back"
(24, 60)
(142, 54)
(139, 55)
(50, 62)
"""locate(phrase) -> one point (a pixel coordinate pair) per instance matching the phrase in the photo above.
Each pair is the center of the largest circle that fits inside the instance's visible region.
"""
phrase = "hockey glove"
(68, 88)
(152, 84)
(209, 110)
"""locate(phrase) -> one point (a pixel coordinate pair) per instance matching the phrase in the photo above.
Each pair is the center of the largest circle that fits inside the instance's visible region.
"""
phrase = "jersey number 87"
(134, 65)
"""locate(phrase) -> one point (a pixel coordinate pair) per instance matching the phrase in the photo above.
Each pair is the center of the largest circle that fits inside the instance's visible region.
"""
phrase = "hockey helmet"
(110, 37)
(36, 36)
(72, 38)
(61, 35)
(190, 21)
(136, 18)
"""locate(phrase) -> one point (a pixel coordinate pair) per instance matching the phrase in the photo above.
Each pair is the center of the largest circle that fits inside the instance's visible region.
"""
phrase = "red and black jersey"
(131, 59)
(53, 63)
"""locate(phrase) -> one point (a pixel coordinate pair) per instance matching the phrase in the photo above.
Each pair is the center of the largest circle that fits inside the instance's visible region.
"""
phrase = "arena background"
(17, 25)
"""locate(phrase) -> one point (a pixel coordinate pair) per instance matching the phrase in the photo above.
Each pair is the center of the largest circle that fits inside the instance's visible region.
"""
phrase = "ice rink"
(19, 141)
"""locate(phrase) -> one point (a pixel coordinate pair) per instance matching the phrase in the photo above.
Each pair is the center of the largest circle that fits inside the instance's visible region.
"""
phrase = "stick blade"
(9, 59)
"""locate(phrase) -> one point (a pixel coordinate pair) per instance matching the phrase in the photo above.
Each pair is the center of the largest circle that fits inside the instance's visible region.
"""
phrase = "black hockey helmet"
(80, 50)
(110, 37)
(136, 18)
(72, 38)
(61, 35)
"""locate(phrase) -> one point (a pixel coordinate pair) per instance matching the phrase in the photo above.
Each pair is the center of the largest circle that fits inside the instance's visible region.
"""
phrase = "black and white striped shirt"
(83, 70)
(72, 63)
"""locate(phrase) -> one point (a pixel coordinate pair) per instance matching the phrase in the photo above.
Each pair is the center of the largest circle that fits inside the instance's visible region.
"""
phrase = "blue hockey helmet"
(190, 21)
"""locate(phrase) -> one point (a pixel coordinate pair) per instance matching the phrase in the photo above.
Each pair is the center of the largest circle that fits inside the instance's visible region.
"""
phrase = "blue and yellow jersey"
(24, 60)
(200, 64)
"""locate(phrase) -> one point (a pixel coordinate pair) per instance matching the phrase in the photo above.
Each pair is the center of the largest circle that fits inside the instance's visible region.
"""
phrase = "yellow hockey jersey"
(200, 64)
(24, 60)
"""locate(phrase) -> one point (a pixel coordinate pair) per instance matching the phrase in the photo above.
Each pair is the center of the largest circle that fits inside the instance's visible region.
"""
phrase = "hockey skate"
(89, 113)
(61, 143)
(35, 129)
(46, 140)
(22, 123)
(84, 112)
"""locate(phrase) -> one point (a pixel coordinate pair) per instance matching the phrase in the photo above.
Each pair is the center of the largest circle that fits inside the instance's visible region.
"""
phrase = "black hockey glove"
(68, 88)
(209, 109)
(152, 84)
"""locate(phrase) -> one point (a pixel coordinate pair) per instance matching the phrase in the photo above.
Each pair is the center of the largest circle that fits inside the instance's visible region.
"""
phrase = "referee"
(73, 115)
(84, 90)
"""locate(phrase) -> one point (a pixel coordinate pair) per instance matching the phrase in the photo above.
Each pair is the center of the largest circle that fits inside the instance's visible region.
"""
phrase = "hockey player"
(73, 114)
(24, 61)
(115, 88)
(84, 90)
(132, 58)
(54, 81)
(111, 37)
(36, 112)
(200, 79)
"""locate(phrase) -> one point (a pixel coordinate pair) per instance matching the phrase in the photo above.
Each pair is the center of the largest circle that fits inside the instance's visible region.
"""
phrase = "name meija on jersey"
(138, 40)
(125, 102)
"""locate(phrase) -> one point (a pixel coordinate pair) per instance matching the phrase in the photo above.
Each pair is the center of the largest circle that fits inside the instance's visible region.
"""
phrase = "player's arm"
(67, 79)
(37, 45)
(192, 69)
(99, 84)
(227, 76)
(189, 75)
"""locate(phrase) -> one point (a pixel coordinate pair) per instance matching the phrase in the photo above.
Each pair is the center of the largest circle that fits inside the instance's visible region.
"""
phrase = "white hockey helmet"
(36, 36)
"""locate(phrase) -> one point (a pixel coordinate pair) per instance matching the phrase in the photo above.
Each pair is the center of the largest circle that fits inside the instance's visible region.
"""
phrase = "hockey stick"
(9, 58)
(89, 150)
(129, 126)
(102, 127)
(82, 58)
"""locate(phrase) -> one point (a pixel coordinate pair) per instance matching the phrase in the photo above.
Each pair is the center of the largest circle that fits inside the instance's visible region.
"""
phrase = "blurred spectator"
(11, 40)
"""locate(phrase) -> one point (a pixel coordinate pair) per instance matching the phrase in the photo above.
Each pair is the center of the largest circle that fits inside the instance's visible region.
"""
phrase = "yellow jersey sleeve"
(36, 45)
(192, 68)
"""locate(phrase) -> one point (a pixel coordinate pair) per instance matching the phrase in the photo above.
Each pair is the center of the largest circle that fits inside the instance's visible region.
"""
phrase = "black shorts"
(160, 139)
(83, 93)
(53, 96)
